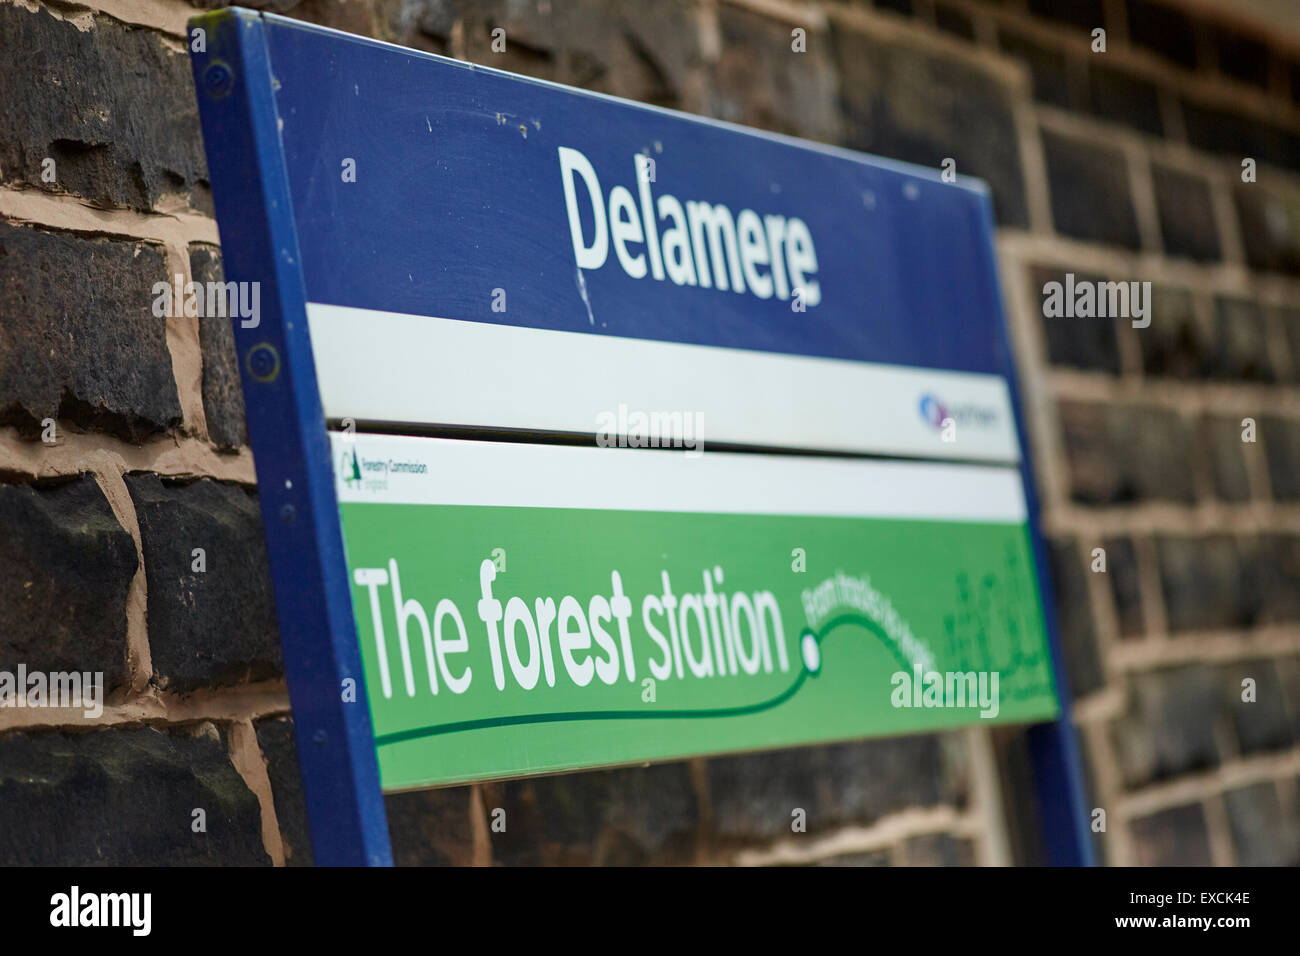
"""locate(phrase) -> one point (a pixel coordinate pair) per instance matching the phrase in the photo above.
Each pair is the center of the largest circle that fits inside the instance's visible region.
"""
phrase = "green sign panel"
(529, 634)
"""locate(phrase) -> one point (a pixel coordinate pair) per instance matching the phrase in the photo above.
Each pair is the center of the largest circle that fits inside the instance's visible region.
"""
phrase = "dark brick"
(1281, 440)
(1123, 98)
(1262, 835)
(1241, 342)
(1221, 446)
(1270, 229)
(1242, 58)
(869, 858)
(1162, 30)
(1175, 837)
(643, 52)
(622, 817)
(1085, 14)
(1276, 576)
(1087, 343)
(124, 797)
(279, 747)
(1204, 583)
(1263, 724)
(223, 398)
(65, 570)
(902, 102)
(1074, 618)
(431, 827)
(757, 81)
(78, 338)
(897, 6)
(1091, 199)
(1050, 70)
(1186, 214)
(113, 106)
(1120, 454)
(939, 849)
(218, 626)
(1122, 573)
(954, 21)
(1289, 320)
(754, 795)
(1239, 136)
(1176, 343)
(1168, 728)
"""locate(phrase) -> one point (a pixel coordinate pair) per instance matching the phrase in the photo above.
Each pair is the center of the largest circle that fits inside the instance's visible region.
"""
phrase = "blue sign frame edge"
(1053, 747)
(286, 423)
(287, 432)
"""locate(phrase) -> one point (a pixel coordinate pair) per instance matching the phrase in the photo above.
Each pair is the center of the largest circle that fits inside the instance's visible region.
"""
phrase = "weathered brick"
(275, 737)
(1074, 618)
(1174, 837)
(431, 827)
(1221, 445)
(1122, 574)
(1091, 197)
(1120, 454)
(623, 817)
(125, 797)
(1186, 214)
(1087, 343)
(78, 338)
(758, 81)
(1262, 724)
(216, 626)
(1176, 343)
(223, 397)
(112, 105)
(65, 570)
(1270, 227)
(1163, 30)
(1168, 727)
(906, 103)
(754, 795)
(1262, 834)
(1242, 348)
(1281, 440)
(1204, 583)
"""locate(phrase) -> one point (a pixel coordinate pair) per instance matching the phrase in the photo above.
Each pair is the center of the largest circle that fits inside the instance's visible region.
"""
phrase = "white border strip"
(393, 367)
(510, 474)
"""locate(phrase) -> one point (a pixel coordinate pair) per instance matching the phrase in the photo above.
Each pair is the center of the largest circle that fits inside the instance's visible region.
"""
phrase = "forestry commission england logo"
(374, 474)
(350, 468)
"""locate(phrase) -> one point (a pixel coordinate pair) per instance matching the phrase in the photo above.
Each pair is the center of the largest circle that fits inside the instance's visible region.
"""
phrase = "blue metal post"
(336, 751)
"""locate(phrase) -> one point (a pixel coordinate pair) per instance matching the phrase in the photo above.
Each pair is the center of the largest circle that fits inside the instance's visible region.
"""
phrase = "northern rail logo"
(935, 412)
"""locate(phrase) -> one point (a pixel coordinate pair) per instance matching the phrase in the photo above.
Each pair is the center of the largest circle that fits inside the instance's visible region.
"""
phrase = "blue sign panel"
(448, 249)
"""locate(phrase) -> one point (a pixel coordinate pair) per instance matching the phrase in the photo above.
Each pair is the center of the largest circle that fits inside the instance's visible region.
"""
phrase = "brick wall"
(1117, 165)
